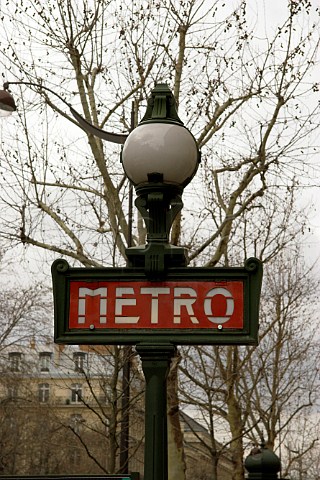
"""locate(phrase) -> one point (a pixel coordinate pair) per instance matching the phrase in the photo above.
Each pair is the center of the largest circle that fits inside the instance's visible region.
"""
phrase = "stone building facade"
(60, 412)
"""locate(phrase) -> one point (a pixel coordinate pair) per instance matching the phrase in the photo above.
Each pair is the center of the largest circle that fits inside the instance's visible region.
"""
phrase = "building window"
(75, 457)
(45, 361)
(76, 422)
(79, 358)
(76, 392)
(13, 392)
(107, 392)
(15, 361)
(44, 391)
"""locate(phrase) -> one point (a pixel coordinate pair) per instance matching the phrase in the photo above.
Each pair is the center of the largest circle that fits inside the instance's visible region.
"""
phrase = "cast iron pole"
(156, 361)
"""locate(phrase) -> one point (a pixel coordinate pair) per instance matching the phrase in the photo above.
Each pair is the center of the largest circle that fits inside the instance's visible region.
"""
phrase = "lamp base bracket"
(156, 258)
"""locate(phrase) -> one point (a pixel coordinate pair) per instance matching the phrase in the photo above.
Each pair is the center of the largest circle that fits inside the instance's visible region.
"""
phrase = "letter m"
(88, 292)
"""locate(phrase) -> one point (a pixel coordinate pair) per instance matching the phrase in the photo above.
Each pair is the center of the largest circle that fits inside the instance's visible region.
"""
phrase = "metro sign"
(160, 305)
(191, 306)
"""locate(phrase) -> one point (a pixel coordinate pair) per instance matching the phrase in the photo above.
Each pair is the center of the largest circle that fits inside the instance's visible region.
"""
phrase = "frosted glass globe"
(162, 148)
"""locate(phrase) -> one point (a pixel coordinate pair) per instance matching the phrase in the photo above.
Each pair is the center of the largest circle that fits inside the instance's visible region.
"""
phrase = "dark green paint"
(158, 204)
(161, 106)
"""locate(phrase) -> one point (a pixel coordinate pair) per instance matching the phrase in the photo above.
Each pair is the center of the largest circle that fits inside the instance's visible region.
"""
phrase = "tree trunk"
(236, 428)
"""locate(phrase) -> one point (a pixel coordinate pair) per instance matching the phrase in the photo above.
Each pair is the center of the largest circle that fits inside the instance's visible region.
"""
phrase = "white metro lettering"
(208, 305)
(121, 302)
(159, 306)
(155, 292)
(179, 302)
(83, 292)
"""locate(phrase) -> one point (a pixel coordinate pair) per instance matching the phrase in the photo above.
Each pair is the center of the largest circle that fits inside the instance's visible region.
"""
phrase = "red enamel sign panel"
(157, 305)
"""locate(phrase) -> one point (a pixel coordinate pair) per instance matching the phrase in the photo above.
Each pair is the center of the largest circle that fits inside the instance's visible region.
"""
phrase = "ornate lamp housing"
(160, 157)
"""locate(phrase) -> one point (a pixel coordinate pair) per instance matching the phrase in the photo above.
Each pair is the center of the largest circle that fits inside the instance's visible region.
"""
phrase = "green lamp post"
(160, 157)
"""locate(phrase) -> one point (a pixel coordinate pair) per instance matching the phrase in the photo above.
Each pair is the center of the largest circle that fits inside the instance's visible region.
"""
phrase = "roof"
(191, 425)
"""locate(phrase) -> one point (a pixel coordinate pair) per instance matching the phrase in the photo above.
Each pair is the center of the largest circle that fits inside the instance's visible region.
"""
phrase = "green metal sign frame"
(250, 275)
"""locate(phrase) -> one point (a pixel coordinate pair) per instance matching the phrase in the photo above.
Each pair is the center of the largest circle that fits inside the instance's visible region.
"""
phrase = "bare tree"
(25, 310)
(103, 381)
(284, 369)
(300, 451)
(84, 200)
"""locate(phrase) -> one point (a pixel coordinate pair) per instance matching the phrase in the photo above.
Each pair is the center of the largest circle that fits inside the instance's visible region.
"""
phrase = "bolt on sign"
(190, 306)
